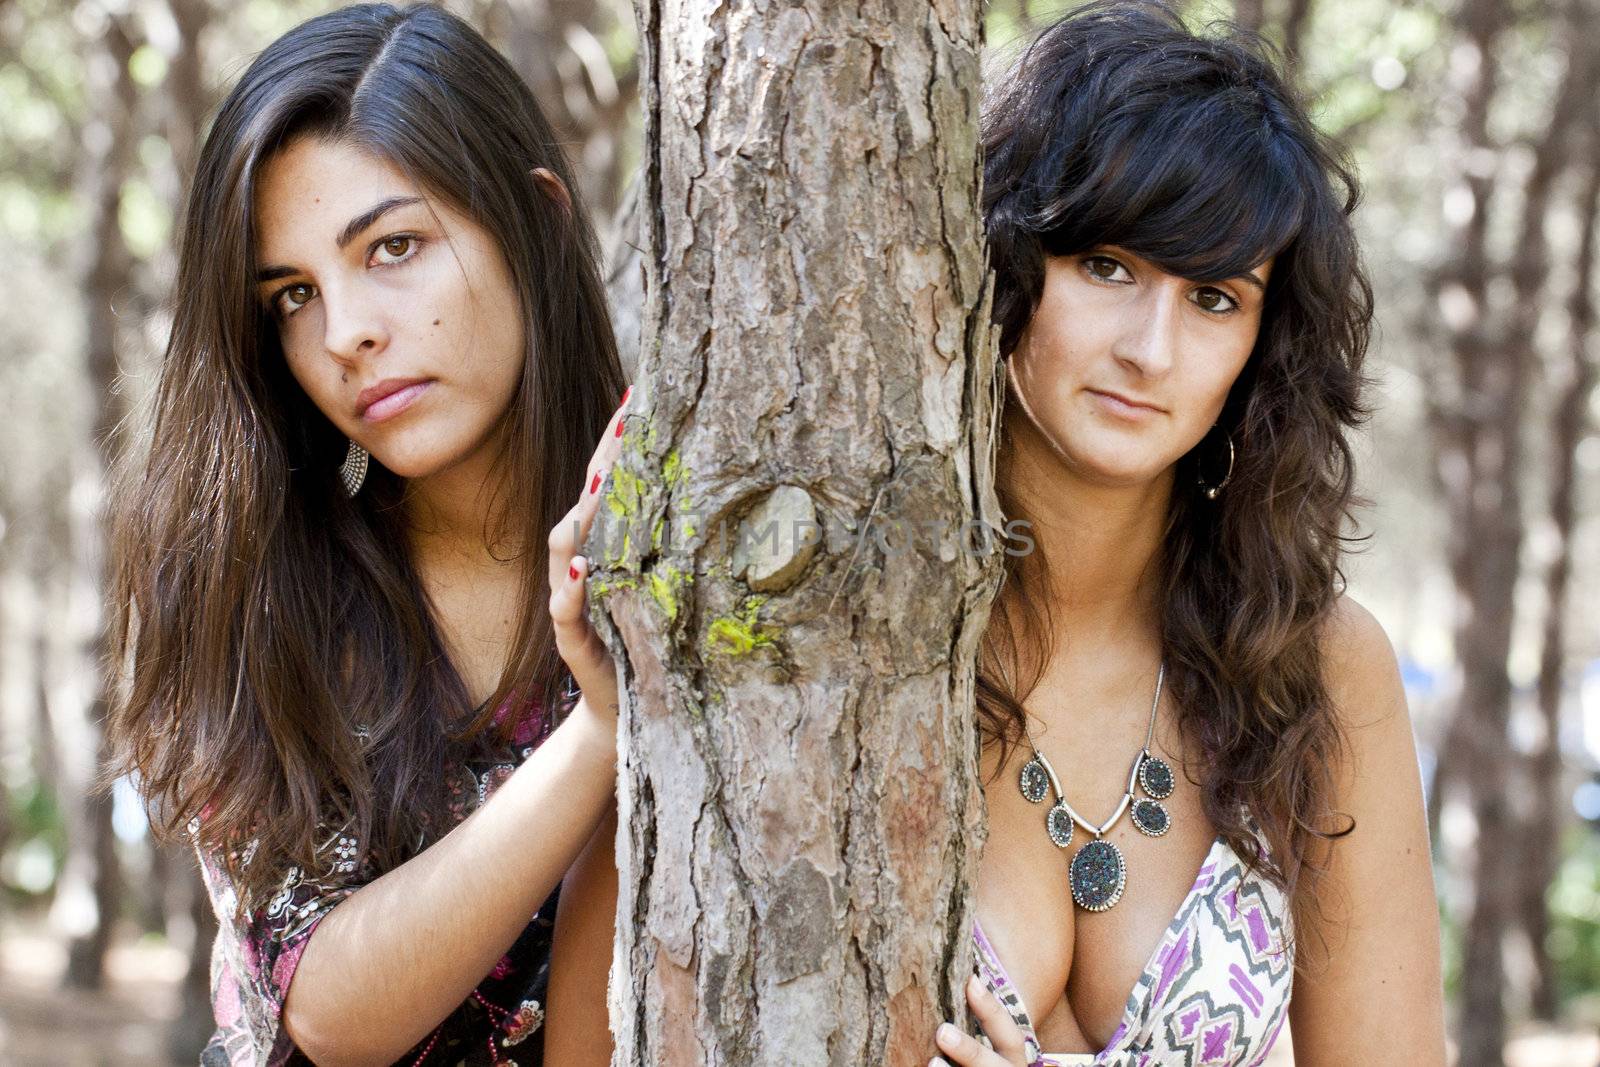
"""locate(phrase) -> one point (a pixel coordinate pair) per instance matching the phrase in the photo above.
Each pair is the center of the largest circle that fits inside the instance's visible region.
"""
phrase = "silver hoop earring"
(353, 471)
(1213, 491)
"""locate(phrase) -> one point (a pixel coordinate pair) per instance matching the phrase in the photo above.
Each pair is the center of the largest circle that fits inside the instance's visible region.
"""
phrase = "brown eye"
(1104, 268)
(1214, 300)
(292, 298)
(396, 247)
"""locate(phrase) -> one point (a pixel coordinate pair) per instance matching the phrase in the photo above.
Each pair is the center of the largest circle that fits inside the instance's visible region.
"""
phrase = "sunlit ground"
(126, 1025)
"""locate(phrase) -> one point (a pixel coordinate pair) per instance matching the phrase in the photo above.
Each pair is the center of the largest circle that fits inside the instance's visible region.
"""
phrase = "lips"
(1122, 401)
(389, 397)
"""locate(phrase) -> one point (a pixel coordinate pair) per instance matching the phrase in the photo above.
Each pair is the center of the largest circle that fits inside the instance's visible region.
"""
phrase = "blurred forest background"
(1476, 127)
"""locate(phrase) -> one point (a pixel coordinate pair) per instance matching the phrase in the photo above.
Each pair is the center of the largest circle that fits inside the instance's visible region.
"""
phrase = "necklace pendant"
(1035, 780)
(1150, 817)
(1059, 825)
(1156, 777)
(1097, 875)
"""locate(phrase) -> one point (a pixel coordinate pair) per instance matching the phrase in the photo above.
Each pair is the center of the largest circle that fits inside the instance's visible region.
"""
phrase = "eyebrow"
(1250, 277)
(351, 230)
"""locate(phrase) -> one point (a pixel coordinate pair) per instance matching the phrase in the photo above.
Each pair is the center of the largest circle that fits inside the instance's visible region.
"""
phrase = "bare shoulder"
(1361, 671)
(1374, 992)
(1375, 776)
(1376, 779)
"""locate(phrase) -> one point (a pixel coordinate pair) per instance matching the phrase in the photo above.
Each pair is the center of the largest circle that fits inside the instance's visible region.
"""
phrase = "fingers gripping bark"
(580, 646)
(964, 1050)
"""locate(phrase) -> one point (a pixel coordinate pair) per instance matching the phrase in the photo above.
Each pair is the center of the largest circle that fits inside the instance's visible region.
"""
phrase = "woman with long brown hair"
(1202, 787)
(360, 677)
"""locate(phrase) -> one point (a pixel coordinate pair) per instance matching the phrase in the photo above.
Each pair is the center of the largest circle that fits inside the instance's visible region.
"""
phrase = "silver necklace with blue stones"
(1098, 873)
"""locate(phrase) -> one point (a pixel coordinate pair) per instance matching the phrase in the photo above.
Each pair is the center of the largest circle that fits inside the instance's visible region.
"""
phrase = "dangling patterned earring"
(1213, 491)
(353, 471)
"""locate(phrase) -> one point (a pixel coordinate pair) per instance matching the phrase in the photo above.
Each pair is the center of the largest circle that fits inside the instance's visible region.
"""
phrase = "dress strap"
(993, 972)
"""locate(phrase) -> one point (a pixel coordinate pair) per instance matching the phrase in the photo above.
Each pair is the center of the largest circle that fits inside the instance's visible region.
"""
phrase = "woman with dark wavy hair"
(361, 678)
(1172, 681)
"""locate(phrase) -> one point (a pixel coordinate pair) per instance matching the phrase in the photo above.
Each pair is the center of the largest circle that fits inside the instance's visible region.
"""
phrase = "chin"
(1114, 471)
(407, 469)
(425, 447)
(414, 463)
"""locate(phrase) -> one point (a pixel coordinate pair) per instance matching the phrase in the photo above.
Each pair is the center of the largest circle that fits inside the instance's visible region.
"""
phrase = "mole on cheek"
(436, 322)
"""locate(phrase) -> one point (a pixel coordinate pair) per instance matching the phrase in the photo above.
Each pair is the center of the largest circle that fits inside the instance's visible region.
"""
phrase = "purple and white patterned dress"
(256, 954)
(1215, 990)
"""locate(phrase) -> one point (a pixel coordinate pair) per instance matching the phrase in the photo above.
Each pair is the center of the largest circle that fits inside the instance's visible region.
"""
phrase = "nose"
(353, 325)
(1149, 339)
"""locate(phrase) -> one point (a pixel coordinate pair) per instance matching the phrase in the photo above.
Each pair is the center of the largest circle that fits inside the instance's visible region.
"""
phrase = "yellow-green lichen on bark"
(673, 472)
(603, 587)
(739, 633)
(625, 494)
(666, 583)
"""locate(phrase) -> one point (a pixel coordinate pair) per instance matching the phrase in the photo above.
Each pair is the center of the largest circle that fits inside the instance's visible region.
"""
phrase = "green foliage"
(1574, 900)
(38, 842)
(147, 67)
(145, 219)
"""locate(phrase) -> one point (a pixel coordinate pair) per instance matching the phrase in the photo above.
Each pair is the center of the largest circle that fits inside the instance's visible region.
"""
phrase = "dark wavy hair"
(1120, 126)
(286, 669)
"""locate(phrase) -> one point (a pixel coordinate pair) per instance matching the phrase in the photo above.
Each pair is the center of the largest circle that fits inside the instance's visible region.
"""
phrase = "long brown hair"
(286, 670)
(1118, 126)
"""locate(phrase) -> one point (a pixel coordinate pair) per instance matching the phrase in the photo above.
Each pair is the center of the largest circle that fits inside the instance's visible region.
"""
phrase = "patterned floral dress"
(1215, 990)
(255, 956)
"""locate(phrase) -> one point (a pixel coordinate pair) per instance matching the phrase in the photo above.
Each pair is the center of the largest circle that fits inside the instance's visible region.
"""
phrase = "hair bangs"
(1203, 188)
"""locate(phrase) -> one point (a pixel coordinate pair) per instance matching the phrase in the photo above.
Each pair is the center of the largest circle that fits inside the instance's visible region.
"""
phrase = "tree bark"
(92, 858)
(5, 779)
(1250, 14)
(190, 1031)
(1568, 424)
(800, 817)
(187, 97)
(1481, 494)
(1296, 20)
(1480, 453)
(556, 46)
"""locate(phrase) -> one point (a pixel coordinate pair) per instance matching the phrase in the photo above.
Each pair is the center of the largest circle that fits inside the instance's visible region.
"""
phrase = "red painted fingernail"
(594, 483)
(572, 572)
(626, 393)
(621, 424)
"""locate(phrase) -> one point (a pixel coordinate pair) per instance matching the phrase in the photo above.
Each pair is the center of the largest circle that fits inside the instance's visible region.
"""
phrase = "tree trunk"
(187, 97)
(192, 1028)
(1482, 468)
(108, 279)
(1567, 430)
(1482, 497)
(45, 752)
(1250, 14)
(1296, 20)
(785, 573)
(5, 779)
(556, 46)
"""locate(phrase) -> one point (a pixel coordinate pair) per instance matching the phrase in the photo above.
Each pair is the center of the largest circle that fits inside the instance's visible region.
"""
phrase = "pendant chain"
(1098, 873)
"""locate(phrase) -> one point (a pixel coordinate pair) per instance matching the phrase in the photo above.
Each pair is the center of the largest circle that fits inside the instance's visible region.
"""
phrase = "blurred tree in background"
(1476, 127)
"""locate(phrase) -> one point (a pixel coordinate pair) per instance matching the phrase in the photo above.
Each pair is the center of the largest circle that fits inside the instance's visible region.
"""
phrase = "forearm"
(396, 957)
(577, 1019)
